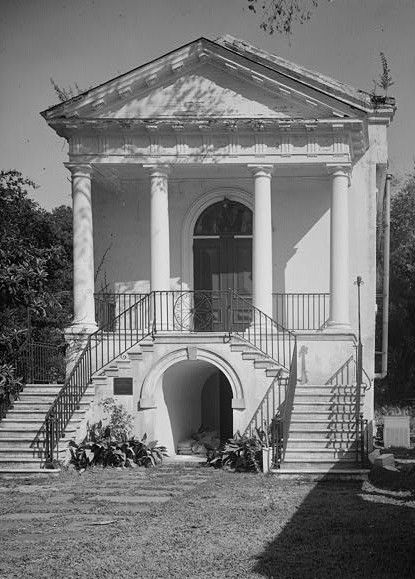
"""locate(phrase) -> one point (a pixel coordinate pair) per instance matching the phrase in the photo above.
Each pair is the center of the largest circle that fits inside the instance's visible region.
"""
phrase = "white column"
(159, 229)
(262, 239)
(83, 249)
(340, 282)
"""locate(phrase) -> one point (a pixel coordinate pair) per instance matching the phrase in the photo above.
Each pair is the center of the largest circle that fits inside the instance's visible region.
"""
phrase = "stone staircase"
(321, 438)
(23, 421)
(259, 360)
(322, 433)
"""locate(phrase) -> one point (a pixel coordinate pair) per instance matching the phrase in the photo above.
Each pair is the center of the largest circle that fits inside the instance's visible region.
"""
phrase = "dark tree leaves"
(281, 15)
(35, 265)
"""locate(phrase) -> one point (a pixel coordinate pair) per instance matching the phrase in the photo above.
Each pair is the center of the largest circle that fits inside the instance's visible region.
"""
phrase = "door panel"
(209, 314)
(221, 264)
(242, 280)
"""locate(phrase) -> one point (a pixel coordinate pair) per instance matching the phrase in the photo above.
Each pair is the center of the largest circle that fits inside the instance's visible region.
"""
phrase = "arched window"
(225, 218)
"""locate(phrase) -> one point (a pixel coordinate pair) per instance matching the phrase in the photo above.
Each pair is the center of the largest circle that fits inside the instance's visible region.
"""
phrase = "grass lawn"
(197, 522)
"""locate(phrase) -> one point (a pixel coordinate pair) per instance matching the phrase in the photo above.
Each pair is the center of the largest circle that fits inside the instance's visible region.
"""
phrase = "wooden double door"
(221, 263)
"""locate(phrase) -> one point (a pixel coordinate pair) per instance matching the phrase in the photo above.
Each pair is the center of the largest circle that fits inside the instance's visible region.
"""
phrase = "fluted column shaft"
(339, 250)
(83, 248)
(262, 240)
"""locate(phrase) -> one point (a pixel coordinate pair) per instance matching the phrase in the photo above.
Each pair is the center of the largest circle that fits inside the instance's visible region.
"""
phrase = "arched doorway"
(222, 254)
(197, 395)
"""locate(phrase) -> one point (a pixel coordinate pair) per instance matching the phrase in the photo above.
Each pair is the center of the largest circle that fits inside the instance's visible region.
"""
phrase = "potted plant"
(266, 448)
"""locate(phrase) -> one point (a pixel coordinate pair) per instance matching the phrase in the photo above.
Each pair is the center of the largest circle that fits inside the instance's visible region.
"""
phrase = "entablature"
(213, 140)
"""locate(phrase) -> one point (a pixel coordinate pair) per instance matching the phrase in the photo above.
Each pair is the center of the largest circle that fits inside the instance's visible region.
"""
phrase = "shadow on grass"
(345, 529)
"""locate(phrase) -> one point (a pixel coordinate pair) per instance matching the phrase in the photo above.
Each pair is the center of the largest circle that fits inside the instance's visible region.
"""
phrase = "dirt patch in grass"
(220, 525)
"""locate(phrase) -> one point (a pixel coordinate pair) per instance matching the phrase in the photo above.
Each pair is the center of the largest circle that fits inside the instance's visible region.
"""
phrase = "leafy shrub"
(10, 387)
(241, 453)
(100, 449)
(117, 419)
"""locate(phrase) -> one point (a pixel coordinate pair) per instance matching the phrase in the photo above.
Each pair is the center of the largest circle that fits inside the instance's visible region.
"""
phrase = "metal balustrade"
(109, 306)
(301, 311)
(37, 362)
(294, 311)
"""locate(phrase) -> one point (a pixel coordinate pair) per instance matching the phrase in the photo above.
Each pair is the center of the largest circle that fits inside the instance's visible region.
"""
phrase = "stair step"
(318, 444)
(327, 392)
(17, 453)
(332, 402)
(273, 372)
(320, 433)
(314, 461)
(313, 407)
(319, 454)
(328, 416)
(12, 442)
(242, 347)
(26, 463)
(33, 415)
(27, 432)
(310, 419)
(24, 423)
(264, 364)
(12, 473)
(252, 355)
(311, 473)
(43, 384)
(40, 391)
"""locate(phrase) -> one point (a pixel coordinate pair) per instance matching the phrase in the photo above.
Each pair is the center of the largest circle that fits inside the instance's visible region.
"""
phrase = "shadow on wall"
(298, 211)
(343, 529)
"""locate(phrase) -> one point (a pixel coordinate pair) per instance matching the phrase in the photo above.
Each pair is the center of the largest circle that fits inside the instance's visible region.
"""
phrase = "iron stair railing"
(288, 406)
(102, 347)
(264, 333)
(351, 373)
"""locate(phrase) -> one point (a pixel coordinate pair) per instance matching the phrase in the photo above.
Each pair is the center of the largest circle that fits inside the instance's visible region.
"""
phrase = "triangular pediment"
(214, 79)
(207, 91)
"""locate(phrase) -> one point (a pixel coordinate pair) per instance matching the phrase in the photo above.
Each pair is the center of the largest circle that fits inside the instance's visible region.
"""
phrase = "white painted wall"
(300, 218)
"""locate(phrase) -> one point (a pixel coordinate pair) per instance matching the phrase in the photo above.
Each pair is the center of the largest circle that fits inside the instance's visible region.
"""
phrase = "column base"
(341, 327)
(81, 328)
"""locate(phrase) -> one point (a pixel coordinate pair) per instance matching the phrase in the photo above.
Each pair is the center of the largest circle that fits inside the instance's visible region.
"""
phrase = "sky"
(91, 41)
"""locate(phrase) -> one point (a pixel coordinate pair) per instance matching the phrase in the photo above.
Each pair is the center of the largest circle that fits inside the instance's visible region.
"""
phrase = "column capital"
(339, 170)
(157, 169)
(79, 169)
(261, 170)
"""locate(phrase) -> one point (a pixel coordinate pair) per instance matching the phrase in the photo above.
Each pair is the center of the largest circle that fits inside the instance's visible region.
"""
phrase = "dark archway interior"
(216, 403)
(197, 395)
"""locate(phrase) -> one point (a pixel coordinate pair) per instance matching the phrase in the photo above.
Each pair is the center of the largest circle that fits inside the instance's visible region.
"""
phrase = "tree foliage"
(400, 382)
(35, 265)
(384, 81)
(281, 15)
(66, 93)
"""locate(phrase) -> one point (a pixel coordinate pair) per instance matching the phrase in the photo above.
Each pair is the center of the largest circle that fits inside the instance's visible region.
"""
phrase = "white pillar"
(262, 239)
(159, 229)
(340, 283)
(83, 249)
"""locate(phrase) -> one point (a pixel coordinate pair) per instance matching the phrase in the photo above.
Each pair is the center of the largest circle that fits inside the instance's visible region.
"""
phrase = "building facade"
(224, 205)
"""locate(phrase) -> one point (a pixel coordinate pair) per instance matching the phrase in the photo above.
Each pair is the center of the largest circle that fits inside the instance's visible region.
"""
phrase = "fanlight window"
(225, 218)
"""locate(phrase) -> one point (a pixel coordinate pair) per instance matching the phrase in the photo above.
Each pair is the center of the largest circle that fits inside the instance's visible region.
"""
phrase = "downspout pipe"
(386, 275)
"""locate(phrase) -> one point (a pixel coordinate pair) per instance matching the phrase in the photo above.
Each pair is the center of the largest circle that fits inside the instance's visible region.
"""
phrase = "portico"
(224, 201)
(159, 243)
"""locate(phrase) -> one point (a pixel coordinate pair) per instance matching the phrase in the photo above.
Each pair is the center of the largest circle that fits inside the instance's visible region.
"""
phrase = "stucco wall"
(301, 230)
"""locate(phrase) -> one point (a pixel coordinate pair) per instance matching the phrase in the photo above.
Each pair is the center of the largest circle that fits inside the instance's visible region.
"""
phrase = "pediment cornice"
(267, 73)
